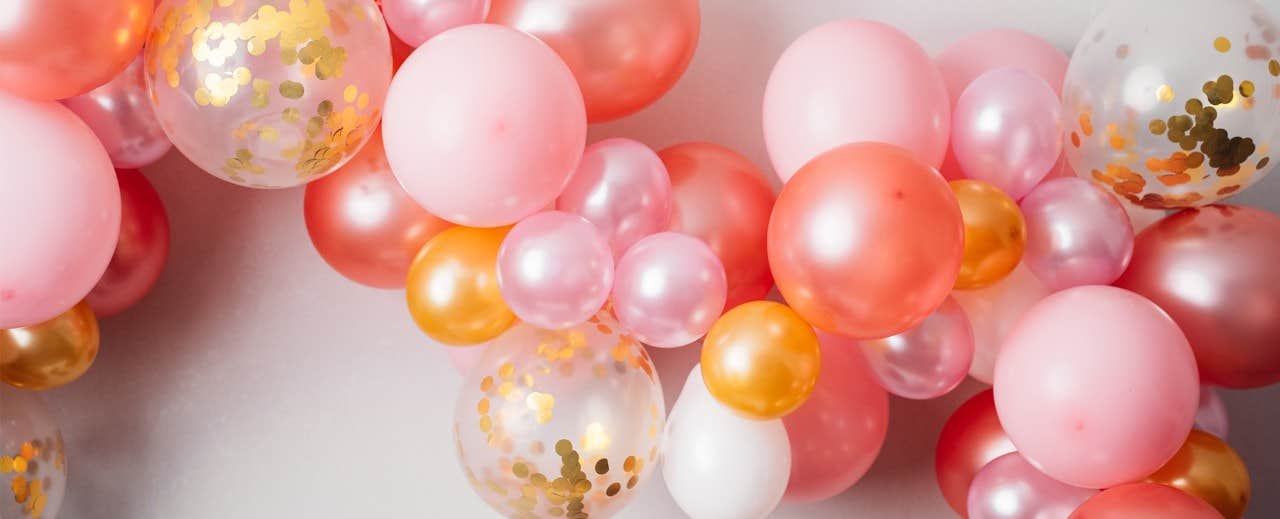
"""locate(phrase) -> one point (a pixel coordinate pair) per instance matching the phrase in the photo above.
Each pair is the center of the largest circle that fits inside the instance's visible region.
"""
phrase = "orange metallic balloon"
(994, 233)
(452, 288)
(52, 353)
(761, 360)
(1208, 468)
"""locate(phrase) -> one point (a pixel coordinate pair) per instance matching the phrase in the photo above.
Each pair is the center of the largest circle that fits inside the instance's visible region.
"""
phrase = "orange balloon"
(452, 288)
(52, 353)
(994, 233)
(1208, 468)
(761, 360)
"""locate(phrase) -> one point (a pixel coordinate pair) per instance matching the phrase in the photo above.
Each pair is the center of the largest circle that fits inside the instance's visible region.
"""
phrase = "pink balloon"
(1011, 488)
(1006, 130)
(483, 126)
(141, 251)
(1211, 415)
(120, 113)
(1096, 386)
(555, 270)
(851, 81)
(622, 187)
(1077, 234)
(927, 361)
(669, 289)
(416, 21)
(59, 210)
(1144, 501)
(992, 313)
(464, 357)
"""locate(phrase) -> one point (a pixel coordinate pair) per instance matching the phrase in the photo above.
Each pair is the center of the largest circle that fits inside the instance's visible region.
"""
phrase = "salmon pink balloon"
(141, 252)
(622, 187)
(1144, 501)
(928, 360)
(416, 21)
(555, 270)
(971, 439)
(1077, 234)
(121, 115)
(669, 289)
(1006, 131)
(1010, 488)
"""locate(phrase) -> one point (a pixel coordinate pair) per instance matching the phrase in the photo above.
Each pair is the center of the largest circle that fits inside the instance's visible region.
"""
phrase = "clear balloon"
(416, 21)
(761, 360)
(141, 252)
(555, 270)
(33, 459)
(971, 439)
(121, 115)
(669, 289)
(1011, 488)
(1077, 234)
(1208, 468)
(995, 233)
(622, 187)
(1144, 501)
(992, 313)
(50, 354)
(1006, 130)
(1211, 416)
(928, 360)
(452, 289)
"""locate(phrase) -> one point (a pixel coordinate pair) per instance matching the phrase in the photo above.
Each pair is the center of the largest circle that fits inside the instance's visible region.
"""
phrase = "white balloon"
(993, 311)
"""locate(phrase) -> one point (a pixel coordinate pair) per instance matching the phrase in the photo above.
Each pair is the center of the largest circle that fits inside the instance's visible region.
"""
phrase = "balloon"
(625, 54)
(1208, 468)
(838, 431)
(59, 211)
(622, 187)
(484, 126)
(1010, 488)
(1211, 416)
(33, 459)
(52, 353)
(555, 270)
(1005, 130)
(703, 463)
(363, 223)
(928, 360)
(268, 93)
(761, 360)
(723, 199)
(971, 439)
(1096, 386)
(141, 252)
(851, 81)
(1215, 271)
(1144, 501)
(452, 289)
(566, 420)
(995, 234)
(120, 114)
(865, 241)
(1077, 234)
(1169, 118)
(464, 359)
(993, 311)
(416, 21)
(669, 289)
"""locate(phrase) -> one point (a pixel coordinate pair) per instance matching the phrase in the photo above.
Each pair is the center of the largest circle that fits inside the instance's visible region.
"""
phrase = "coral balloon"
(971, 439)
(865, 241)
(1214, 271)
(1010, 488)
(555, 270)
(30, 438)
(141, 252)
(724, 200)
(1211, 416)
(995, 234)
(761, 360)
(50, 354)
(669, 289)
(1208, 468)
(818, 96)
(992, 313)
(1077, 234)
(926, 361)
(452, 288)
(625, 54)
(622, 187)
(416, 21)
(121, 115)
(1144, 501)
(1006, 130)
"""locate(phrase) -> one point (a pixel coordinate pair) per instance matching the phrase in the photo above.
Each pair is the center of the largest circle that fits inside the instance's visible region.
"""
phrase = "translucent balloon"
(928, 360)
(121, 115)
(33, 459)
(1010, 488)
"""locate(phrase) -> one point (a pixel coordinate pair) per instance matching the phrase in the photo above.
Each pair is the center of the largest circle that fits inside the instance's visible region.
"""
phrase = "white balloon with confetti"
(33, 462)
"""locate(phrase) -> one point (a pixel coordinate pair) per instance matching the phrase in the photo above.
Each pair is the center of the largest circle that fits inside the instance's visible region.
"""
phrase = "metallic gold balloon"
(452, 288)
(52, 353)
(1208, 468)
(761, 360)
(994, 233)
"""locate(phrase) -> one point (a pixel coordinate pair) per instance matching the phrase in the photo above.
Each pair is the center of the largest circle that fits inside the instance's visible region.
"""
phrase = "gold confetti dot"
(1261, 164)
(1156, 126)
(506, 371)
(1164, 94)
(349, 94)
(362, 102)
(629, 464)
(613, 490)
(564, 447)
(486, 384)
(602, 466)
(1117, 142)
(1246, 88)
(1222, 44)
(291, 89)
(486, 424)
(483, 406)
(1274, 67)
(631, 483)
(242, 75)
(520, 470)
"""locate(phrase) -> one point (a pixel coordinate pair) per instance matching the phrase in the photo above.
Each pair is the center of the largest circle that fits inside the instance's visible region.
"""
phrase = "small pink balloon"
(555, 270)
(1211, 415)
(416, 21)
(1097, 386)
(1006, 130)
(992, 313)
(120, 113)
(1011, 488)
(1077, 234)
(623, 188)
(927, 361)
(669, 289)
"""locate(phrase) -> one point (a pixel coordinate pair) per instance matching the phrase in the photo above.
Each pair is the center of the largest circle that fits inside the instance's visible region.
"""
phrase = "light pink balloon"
(669, 289)
(121, 115)
(59, 210)
(992, 313)
(483, 126)
(623, 188)
(927, 361)
(1011, 488)
(1077, 234)
(1097, 386)
(1211, 415)
(1006, 130)
(851, 81)
(555, 270)
(416, 21)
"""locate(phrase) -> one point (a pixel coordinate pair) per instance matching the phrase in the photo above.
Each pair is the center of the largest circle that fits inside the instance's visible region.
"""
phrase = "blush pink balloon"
(555, 270)
(928, 360)
(59, 210)
(141, 252)
(1011, 488)
(622, 187)
(416, 21)
(120, 113)
(484, 125)
(992, 313)
(1006, 130)
(1211, 415)
(669, 289)
(1077, 234)
(1144, 501)
(1096, 386)
(821, 95)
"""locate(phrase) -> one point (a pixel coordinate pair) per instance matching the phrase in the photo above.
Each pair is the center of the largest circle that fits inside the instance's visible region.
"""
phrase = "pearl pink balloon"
(622, 187)
(1211, 415)
(1011, 488)
(1096, 386)
(928, 360)
(669, 289)
(141, 252)
(484, 125)
(992, 313)
(59, 210)
(121, 115)
(971, 439)
(851, 81)
(555, 270)
(1006, 130)
(416, 21)
(1144, 501)
(1077, 234)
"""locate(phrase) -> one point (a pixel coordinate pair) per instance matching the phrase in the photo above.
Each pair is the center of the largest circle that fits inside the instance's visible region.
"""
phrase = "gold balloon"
(994, 233)
(761, 360)
(1208, 468)
(452, 288)
(52, 353)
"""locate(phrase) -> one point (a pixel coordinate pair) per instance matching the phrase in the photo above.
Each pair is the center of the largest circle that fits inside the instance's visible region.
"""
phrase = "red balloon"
(1216, 271)
(723, 199)
(142, 251)
(1144, 501)
(865, 240)
(971, 438)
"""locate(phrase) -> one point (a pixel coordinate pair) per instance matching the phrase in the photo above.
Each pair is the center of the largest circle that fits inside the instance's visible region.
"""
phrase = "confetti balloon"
(452, 288)
(268, 93)
(1208, 468)
(52, 353)
(560, 423)
(1144, 501)
(971, 439)
(1171, 106)
(33, 459)
(140, 254)
(995, 234)
(121, 115)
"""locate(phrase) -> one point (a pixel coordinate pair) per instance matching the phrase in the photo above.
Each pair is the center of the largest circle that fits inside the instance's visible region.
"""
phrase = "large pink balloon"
(1010, 488)
(1096, 386)
(622, 187)
(1145, 501)
(669, 289)
(992, 313)
(851, 81)
(141, 252)
(121, 115)
(59, 210)
(1077, 234)
(927, 361)
(416, 21)
(1005, 130)
(555, 270)
(484, 125)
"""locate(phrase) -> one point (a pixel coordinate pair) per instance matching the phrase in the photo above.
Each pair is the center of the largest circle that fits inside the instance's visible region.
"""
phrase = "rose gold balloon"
(52, 353)
(141, 252)
(971, 438)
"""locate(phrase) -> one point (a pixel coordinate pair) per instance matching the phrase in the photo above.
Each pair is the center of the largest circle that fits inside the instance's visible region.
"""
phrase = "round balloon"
(761, 360)
(1010, 488)
(121, 115)
(929, 359)
(1006, 130)
(970, 439)
(555, 269)
(1208, 468)
(452, 289)
(416, 21)
(33, 459)
(622, 187)
(50, 354)
(669, 289)
(1144, 501)
(140, 254)
(995, 233)
(1077, 234)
